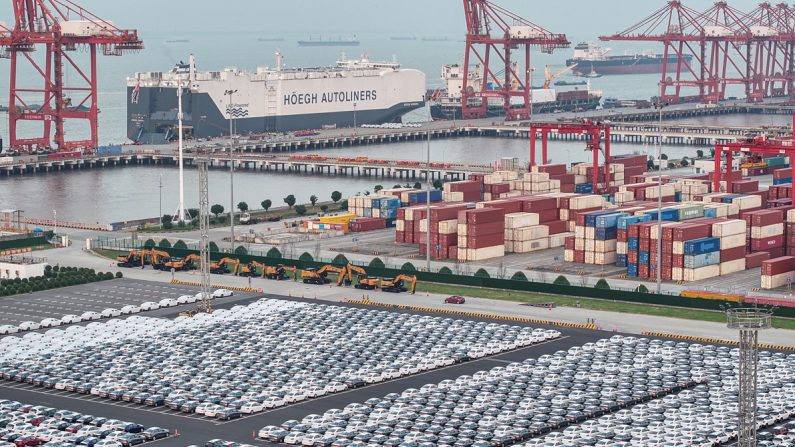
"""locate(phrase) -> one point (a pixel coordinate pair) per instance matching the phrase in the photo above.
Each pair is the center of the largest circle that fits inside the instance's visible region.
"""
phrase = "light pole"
(354, 118)
(160, 216)
(231, 171)
(55, 223)
(428, 206)
(659, 105)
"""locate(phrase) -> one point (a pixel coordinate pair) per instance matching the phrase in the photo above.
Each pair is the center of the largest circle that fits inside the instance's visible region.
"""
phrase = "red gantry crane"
(493, 34)
(61, 28)
(772, 49)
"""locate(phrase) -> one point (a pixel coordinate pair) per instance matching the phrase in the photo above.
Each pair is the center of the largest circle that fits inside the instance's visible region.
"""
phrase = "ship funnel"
(279, 61)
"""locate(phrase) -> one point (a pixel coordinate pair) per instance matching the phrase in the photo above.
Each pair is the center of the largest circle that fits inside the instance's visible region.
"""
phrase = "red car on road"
(455, 299)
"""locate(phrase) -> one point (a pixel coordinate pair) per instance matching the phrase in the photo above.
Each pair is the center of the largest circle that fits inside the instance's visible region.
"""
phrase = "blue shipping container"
(782, 181)
(390, 222)
(668, 214)
(626, 221)
(590, 217)
(710, 212)
(108, 150)
(701, 246)
(677, 196)
(621, 260)
(633, 243)
(729, 198)
(583, 188)
(603, 234)
(702, 260)
(643, 257)
(632, 270)
(609, 220)
(375, 202)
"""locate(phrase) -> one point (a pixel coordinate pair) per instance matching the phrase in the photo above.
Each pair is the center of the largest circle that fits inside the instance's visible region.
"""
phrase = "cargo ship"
(338, 42)
(445, 102)
(593, 59)
(279, 99)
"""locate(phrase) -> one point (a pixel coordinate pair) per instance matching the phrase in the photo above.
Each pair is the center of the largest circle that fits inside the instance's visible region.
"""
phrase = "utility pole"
(160, 215)
(659, 105)
(55, 224)
(231, 170)
(204, 227)
(428, 182)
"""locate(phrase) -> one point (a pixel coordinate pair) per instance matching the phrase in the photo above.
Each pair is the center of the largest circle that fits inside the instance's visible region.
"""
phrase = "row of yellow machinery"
(161, 260)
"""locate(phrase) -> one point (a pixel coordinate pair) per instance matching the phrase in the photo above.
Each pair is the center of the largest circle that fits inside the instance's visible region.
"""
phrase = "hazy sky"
(581, 19)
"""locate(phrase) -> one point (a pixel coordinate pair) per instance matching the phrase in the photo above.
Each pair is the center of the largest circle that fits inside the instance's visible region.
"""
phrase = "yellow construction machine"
(397, 284)
(319, 276)
(179, 264)
(363, 280)
(220, 267)
(134, 258)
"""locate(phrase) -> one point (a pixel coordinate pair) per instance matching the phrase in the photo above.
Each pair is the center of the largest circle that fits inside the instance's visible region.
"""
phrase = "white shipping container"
(767, 231)
(423, 225)
(698, 274)
(462, 242)
(558, 240)
(678, 248)
(587, 201)
(605, 258)
(605, 246)
(590, 257)
(564, 214)
(721, 209)
(622, 248)
(400, 225)
(568, 255)
(508, 246)
(738, 265)
(409, 214)
(448, 226)
(677, 273)
(655, 234)
(624, 197)
(530, 233)
(668, 190)
(579, 231)
(775, 281)
(791, 215)
(536, 176)
(748, 202)
(728, 228)
(579, 244)
(590, 245)
(530, 246)
(462, 230)
(590, 233)
(520, 220)
(479, 254)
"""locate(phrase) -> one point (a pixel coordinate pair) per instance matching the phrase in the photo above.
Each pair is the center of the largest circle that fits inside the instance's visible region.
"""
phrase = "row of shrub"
(54, 277)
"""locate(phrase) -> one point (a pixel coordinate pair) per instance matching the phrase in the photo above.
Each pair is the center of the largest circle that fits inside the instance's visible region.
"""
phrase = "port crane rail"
(62, 27)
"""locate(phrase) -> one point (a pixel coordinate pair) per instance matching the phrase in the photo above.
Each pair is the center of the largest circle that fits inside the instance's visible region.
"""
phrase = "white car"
(168, 302)
(130, 309)
(91, 315)
(251, 407)
(110, 312)
(8, 329)
(220, 293)
(68, 319)
(51, 322)
(150, 305)
(186, 299)
(28, 326)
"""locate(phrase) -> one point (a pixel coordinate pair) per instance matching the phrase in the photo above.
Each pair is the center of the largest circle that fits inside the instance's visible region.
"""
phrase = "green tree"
(438, 184)
(300, 209)
(376, 263)
(324, 208)
(306, 257)
(377, 188)
(212, 246)
(482, 273)
(274, 253)
(336, 196)
(685, 162)
(241, 250)
(561, 281)
(181, 224)
(217, 209)
(700, 153)
(181, 244)
(290, 201)
(340, 259)
(642, 289)
(602, 284)
(193, 213)
(242, 206)
(313, 199)
(408, 267)
(148, 244)
(650, 164)
(663, 157)
(166, 218)
(344, 204)
(266, 204)
(164, 243)
(445, 271)
(417, 185)
(396, 186)
(367, 193)
(519, 276)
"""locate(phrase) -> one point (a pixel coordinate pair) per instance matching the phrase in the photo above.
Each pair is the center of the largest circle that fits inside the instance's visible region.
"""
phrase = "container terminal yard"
(610, 297)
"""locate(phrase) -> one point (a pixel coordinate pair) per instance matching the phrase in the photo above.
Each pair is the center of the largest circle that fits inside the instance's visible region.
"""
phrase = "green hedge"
(33, 241)
(53, 278)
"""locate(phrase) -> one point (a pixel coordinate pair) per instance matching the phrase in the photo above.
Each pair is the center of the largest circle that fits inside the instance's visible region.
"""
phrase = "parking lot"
(97, 296)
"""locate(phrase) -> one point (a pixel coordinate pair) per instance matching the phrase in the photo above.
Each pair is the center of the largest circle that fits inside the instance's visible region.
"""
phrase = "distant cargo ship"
(567, 83)
(270, 99)
(338, 42)
(270, 39)
(403, 38)
(593, 59)
(446, 102)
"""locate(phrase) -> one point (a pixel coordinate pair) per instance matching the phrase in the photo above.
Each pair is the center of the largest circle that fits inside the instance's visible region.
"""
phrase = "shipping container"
(700, 246)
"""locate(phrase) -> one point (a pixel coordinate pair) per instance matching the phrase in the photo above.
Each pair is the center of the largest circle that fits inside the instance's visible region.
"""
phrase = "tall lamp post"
(659, 106)
(229, 93)
(55, 223)
(428, 205)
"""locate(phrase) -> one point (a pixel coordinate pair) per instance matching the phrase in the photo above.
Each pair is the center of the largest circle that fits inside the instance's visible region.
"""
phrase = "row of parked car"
(249, 358)
(23, 425)
(108, 313)
(617, 392)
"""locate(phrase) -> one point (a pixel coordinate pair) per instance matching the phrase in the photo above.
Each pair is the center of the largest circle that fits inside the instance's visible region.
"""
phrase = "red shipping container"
(579, 256)
(632, 256)
(538, 204)
(367, 224)
(473, 196)
(568, 243)
(633, 230)
(767, 243)
(465, 186)
(567, 188)
(481, 215)
(732, 254)
(400, 237)
(643, 270)
(779, 174)
(552, 168)
(401, 214)
(565, 179)
(776, 252)
(487, 240)
(485, 229)
(678, 261)
(557, 226)
(445, 212)
(645, 230)
(408, 226)
(744, 186)
(444, 240)
(622, 235)
(499, 188)
(508, 205)
(762, 218)
(548, 215)
(754, 260)
(452, 252)
(477, 177)
(689, 231)
(644, 245)
(777, 266)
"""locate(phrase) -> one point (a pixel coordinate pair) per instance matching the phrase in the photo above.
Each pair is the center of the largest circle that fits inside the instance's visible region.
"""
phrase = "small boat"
(592, 74)
(571, 83)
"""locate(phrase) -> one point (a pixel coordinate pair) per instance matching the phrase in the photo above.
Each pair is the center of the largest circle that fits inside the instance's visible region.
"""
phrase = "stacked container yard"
(766, 232)
(498, 184)
(382, 207)
(560, 179)
(778, 272)
(463, 191)
(583, 175)
(443, 225)
(481, 234)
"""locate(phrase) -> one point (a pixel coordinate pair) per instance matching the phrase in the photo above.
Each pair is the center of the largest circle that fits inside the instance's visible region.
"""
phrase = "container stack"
(570, 206)
(463, 191)
(443, 225)
(766, 232)
(583, 175)
(733, 249)
(622, 237)
(498, 184)
(419, 197)
(692, 189)
(561, 180)
(778, 272)
(362, 224)
(384, 207)
(523, 234)
(701, 259)
(481, 234)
